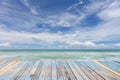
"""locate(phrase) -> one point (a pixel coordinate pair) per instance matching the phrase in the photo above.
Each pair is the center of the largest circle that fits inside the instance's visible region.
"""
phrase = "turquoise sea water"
(62, 54)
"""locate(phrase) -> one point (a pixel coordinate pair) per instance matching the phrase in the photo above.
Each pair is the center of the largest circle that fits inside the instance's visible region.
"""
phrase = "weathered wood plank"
(48, 75)
(27, 70)
(34, 67)
(21, 71)
(112, 65)
(65, 74)
(58, 70)
(54, 70)
(2, 62)
(84, 76)
(8, 75)
(87, 71)
(5, 64)
(77, 75)
(100, 70)
(8, 67)
(16, 70)
(93, 72)
(71, 75)
(117, 62)
(37, 72)
(44, 71)
(107, 73)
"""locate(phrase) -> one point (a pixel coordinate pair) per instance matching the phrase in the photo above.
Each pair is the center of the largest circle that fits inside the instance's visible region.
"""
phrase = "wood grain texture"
(59, 70)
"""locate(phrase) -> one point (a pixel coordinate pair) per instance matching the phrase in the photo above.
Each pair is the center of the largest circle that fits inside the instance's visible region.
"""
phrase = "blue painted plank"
(112, 65)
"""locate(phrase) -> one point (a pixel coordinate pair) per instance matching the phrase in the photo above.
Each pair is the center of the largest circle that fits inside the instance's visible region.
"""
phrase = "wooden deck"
(59, 70)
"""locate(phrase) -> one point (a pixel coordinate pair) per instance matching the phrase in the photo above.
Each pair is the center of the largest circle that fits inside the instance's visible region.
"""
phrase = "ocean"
(71, 54)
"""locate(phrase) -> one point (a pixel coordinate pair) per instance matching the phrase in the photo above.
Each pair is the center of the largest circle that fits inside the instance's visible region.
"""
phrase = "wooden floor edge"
(106, 67)
(11, 65)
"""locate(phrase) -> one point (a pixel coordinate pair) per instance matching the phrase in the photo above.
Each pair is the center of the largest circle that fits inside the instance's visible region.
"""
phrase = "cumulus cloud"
(82, 44)
(89, 44)
(48, 39)
(7, 44)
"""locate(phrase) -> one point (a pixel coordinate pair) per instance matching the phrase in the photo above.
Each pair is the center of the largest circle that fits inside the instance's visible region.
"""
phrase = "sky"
(59, 24)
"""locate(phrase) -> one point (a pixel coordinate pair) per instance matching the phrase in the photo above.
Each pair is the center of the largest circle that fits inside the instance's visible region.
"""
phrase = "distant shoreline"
(60, 50)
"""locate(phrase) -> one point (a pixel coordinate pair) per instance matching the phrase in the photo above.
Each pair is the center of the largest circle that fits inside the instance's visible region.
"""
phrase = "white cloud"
(7, 44)
(82, 44)
(64, 19)
(32, 9)
(105, 31)
(72, 43)
(72, 40)
(111, 11)
(107, 10)
(117, 44)
(109, 29)
(89, 44)
(74, 6)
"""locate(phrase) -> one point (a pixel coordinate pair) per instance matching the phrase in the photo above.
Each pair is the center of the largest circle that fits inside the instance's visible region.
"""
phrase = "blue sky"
(50, 24)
